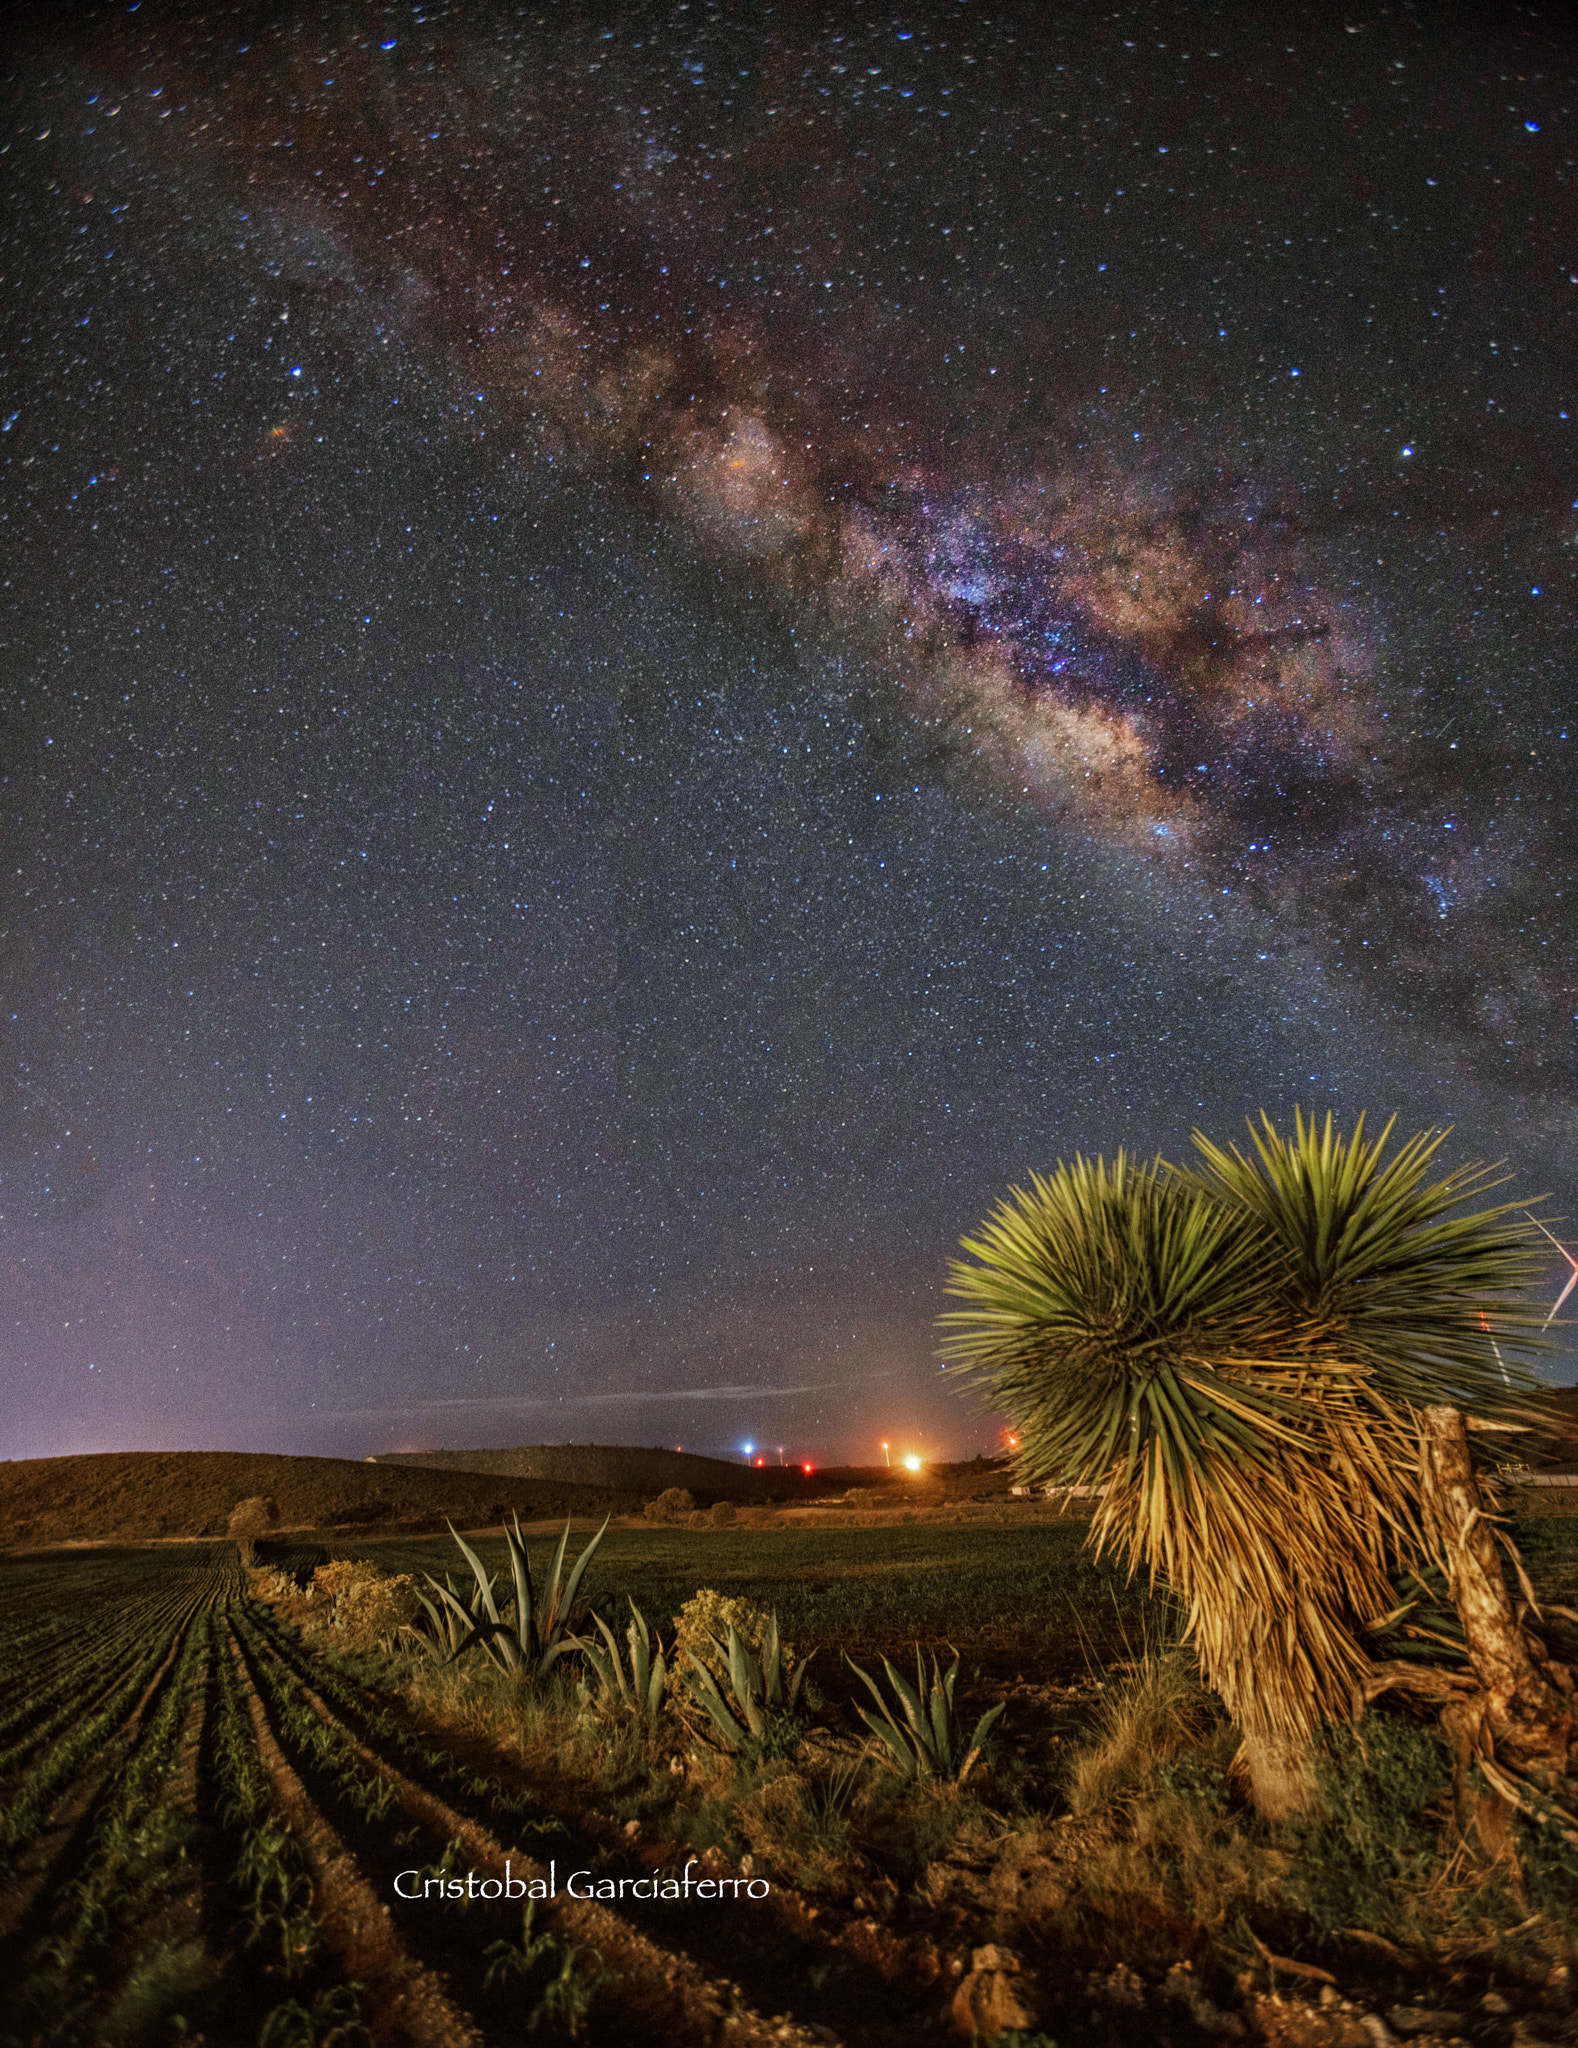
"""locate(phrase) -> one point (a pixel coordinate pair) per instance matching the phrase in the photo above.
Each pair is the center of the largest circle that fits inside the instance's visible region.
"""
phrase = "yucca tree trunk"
(1280, 1770)
(1529, 1721)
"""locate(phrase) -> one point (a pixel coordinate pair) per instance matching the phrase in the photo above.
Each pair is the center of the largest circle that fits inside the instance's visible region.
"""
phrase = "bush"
(273, 1587)
(670, 1505)
(704, 1622)
(722, 1514)
(366, 1603)
(250, 1519)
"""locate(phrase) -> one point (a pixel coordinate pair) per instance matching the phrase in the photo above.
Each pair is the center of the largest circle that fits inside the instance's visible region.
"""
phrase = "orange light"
(912, 1463)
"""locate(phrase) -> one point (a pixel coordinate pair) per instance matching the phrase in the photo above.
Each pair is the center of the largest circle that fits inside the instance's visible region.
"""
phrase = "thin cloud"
(518, 1402)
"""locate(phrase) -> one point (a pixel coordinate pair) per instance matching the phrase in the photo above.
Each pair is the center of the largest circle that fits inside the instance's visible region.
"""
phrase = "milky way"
(1169, 630)
(645, 655)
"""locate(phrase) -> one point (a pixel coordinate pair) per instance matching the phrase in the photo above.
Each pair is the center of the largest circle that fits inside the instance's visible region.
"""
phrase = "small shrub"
(723, 1514)
(671, 1504)
(272, 1587)
(541, 1632)
(365, 1603)
(701, 1629)
(250, 1519)
(330, 1580)
(375, 1610)
(617, 1691)
(924, 1738)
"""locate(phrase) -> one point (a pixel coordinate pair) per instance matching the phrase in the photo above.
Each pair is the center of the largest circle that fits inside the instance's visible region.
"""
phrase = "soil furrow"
(54, 1856)
(405, 2000)
(659, 1988)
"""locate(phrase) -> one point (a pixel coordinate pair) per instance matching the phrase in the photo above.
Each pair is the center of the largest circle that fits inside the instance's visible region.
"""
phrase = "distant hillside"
(134, 1496)
(622, 1467)
(1562, 1405)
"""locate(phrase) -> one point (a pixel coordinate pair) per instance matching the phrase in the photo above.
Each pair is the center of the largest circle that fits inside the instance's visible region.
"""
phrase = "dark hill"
(134, 1496)
(625, 1469)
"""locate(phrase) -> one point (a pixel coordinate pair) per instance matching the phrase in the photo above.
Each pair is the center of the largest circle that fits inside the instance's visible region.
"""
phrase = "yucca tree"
(1239, 1353)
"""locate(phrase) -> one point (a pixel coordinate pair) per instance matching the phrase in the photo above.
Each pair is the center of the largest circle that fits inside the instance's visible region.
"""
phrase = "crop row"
(100, 1664)
(171, 1887)
(134, 1860)
(46, 1774)
(471, 1792)
(41, 1657)
(270, 1877)
(52, 1653)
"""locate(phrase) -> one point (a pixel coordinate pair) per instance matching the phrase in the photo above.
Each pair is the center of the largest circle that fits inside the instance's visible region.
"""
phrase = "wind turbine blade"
(1571, 1284)
(1555, 1240)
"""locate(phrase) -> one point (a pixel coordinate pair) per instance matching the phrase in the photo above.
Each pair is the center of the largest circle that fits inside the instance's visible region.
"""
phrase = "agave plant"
(636, 1691)
(1239, 1354)
(923, 1739)
(539, 1635)
(759, 1698)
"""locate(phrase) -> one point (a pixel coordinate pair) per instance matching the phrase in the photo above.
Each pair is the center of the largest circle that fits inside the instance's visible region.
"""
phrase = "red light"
(805, 1468)
(761, 1461)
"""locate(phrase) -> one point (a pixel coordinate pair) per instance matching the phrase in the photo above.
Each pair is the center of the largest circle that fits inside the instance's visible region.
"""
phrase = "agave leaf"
(746, 1683)
(484, 1582)
(884, 1730)
(797, 1682)
(640, 1646)
(609, 1675)
(525, 1598)
(581, 1562)
(496, 1640)
(459, 1618)
(914, 1714)
(942, 1713)
(548, 1615)
(772, 1663)
(983, 1728)
(704, 1688)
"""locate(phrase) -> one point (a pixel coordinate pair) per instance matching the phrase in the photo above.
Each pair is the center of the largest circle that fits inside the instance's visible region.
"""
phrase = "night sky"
(646, 651)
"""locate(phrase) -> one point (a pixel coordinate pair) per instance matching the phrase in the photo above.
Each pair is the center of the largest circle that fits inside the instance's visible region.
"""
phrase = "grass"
(1144, 1723)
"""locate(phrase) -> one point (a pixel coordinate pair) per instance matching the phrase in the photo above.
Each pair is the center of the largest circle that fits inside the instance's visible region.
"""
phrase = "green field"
(1010, 1597)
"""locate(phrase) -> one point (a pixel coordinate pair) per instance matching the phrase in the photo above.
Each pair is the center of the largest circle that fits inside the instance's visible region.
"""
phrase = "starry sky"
(645, 650)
